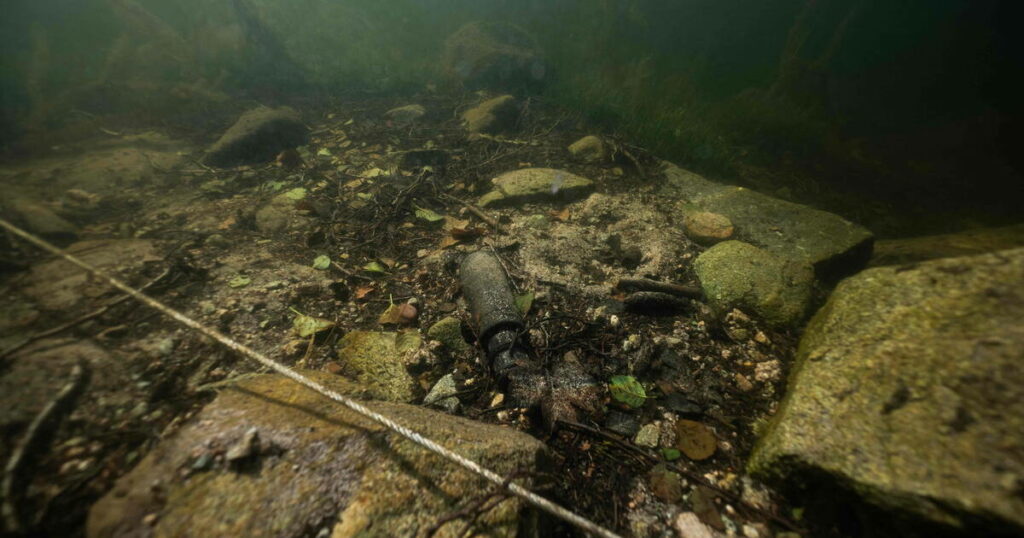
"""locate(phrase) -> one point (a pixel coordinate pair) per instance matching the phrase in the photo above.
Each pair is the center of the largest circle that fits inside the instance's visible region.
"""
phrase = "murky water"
(681, 201)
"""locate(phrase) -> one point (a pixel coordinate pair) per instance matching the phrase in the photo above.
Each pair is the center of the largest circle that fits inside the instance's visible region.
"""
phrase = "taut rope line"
(513, 488)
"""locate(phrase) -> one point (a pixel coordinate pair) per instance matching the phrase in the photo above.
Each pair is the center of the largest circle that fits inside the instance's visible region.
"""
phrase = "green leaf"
(240, 281)
(297, 193)
(305, 326)
(627, 390)
(322, 262)
(324, 152)
(671, 454)
(275, 185)
(375, 267)
(428, 215)
(524, 302)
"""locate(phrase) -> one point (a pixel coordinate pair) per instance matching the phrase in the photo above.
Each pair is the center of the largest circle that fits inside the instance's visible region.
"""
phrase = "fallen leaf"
(398, 314)
(695, 440)
(227, 223)
(297, 193)
(524, 302)
(375, 267)
(361, 292)
(322, 262)
(627, 390)
(468, 234)
(305, 326)
(561, 216)
(428, 215)
(240, 281)
(448, 241)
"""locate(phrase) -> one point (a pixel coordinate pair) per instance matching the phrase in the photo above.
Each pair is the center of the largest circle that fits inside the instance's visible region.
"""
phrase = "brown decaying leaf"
(361, 292)
(561, 216)
(695, 440)
(398, 314)
(468, 234)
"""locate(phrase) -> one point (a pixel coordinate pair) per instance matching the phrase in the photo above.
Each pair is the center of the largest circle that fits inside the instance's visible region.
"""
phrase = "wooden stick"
(476, 211)
(643, 284)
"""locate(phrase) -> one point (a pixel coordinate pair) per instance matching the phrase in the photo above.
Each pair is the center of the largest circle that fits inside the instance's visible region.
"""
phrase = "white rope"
(513, 488)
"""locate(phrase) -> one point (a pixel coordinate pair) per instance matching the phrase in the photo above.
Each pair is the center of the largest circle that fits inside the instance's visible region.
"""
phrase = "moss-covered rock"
(536, 185)
(908, 387)
(735, 274)
(258, 136)
(311, 464)
(494, 55)
(832, 245)
(589, 149)
(380, 361)
(493, 116)
(448, 331)
(966, 243)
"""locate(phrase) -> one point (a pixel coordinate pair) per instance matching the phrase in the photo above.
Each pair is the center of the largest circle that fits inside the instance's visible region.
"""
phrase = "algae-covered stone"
(280, 213)
(966, 243)
(908, 388)
(442, 394)
(735, 274)
(448, 331)
(536, 185)
(589, 149)
(493, 116)
(707, 228)
(381, 360)
(495, 55)
(406, 114)
(831, 244)
(258, 136)
(313, 464)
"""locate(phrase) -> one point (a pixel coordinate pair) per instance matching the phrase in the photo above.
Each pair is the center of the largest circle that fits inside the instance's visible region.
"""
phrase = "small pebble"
(149, 520)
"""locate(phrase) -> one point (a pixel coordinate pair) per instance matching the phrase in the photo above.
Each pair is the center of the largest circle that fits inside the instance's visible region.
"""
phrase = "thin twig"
(43, 427)
(476, 211)
(686, 472)
(644, 284)
(79, 320)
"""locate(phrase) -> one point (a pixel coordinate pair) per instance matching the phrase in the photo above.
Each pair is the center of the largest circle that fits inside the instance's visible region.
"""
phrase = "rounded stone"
(707, 228)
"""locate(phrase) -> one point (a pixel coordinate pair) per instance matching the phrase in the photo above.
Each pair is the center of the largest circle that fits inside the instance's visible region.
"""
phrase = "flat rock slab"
(908, 388)
(258, 136)
(536, 185)
(832, 245)
(61, 285)
(304, 464)
(968, 243)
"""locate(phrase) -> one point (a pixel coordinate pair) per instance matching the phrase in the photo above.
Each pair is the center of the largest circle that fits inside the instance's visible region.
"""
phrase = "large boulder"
(258, 136)
(832, 245)
(486, 55)
(269, 457)
(42, 221)
(735, 274)
(536, 185)
(930, 247)
(908, 390)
